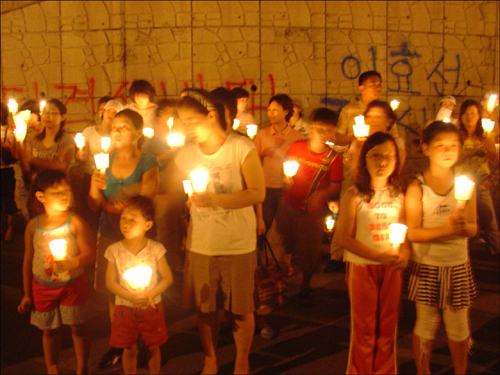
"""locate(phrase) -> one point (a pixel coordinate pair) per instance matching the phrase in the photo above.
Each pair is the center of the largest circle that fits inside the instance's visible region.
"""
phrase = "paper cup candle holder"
(397, 235)
(290, 168)
(463, 190)
(361, 130)
(138, 277)
(199, 180)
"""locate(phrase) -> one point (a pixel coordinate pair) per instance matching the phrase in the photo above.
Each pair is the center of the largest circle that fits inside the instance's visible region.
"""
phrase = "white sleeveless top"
(372, 223)
(445, 251)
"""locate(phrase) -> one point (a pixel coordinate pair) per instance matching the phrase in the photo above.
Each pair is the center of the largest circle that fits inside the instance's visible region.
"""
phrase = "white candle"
(200, 180)
(329, 223)
(80, 140)
(463, 190)
(105, 143)
(394, 104)
(138, 277)
(170, 123)
(290, 168)
(102, 161)
(175, 140)
(443, 113)
(491, 102)
(42, 105)
(236, 124)
(446, 119)
(58, 248)
(21, 127)
(488, 125)
(148, 132)
(251, 130)
(360, 129)
(12, 106)
(188, 187)
(397, 235)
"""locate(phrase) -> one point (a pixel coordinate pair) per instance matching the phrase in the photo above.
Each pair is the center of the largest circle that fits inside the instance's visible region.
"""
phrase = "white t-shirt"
(220, 231)
(445, 251)
(372, 223)
(124, 260)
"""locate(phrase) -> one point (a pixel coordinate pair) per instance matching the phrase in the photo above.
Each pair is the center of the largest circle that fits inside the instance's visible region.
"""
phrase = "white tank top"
(372, 223)
(445, 251)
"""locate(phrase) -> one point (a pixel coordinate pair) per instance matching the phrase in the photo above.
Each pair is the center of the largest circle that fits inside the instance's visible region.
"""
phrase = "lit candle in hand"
(12, 106)
(138, 277)
(170, 123)
(463, 190)
(101, 161)
(21, 126)
(58, 249)
(394, 104)
(236, 124)
(491, 102)
(148, 132)
(200, 180)
(290, 168)
(175, 140)
(488, 125)
(188, 187)
(80, 140)
(42, 105)
(329, 223)
(105, 143)
(360, 129)
(397, 235)
(251, 130)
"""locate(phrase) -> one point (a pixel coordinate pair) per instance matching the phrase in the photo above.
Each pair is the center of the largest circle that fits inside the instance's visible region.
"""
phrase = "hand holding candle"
(290, 168)
(360, 129)
(463, 190)
(199, 179)
(138, 277)
(21, 126)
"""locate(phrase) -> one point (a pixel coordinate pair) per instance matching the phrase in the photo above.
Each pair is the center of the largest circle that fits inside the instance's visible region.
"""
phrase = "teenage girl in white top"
(440, 279)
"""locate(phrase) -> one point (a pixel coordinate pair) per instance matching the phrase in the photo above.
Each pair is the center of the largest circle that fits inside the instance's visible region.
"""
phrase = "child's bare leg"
(129, 359)
(81, 341)
(422, 354)
(459, 351)
(154, 359)
(51, 344)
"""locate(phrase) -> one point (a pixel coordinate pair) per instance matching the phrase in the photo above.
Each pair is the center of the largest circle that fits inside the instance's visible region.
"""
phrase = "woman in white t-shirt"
(221, 236)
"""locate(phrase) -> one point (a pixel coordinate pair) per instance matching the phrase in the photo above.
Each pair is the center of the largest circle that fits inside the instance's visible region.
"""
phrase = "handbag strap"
(329, 160)
(266, 246)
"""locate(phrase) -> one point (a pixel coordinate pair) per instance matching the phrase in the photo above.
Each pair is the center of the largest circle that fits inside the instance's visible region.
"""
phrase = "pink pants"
(375, 293)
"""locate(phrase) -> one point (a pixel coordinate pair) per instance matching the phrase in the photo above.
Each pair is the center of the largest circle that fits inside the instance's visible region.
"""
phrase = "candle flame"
(398, 233)
(105, 143)
(80, 140)
(463, 188)
(290, 168)
(58, 248)
(251, 130)
(200, 180)
(138, 277)
(394, 104)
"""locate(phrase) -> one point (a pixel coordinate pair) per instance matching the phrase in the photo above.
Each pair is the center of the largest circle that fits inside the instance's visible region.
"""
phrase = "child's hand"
(139, 300)
(25, 305)
(455, 225)
(402, 262)
(388, 258)
(149, 303)
(99, 180)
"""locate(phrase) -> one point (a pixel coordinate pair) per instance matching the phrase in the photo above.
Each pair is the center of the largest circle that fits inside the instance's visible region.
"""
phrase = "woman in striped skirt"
(440, 278)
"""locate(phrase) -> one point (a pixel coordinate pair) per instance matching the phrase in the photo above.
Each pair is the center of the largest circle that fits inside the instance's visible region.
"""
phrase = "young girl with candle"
(138, 311)
(374, 267)
(221, 242)
(55, 290)
(440, 276)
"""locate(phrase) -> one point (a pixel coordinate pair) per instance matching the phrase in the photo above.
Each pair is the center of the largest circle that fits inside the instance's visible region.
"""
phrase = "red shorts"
(47, 298)
(128, 323)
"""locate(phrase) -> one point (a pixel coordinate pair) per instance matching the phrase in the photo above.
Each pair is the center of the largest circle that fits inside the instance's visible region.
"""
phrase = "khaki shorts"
(218, 282)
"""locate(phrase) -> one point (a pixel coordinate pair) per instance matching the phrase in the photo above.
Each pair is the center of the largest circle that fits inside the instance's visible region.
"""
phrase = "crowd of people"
(135, 213)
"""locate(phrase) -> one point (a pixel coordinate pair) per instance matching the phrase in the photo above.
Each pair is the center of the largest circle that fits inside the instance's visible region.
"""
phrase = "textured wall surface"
(314, 50)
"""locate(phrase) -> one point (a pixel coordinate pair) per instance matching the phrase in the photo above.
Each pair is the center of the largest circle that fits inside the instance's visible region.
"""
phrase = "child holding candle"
(53, 302)
(440, 275)
(478, 160)
(138, 311)
(374, 269)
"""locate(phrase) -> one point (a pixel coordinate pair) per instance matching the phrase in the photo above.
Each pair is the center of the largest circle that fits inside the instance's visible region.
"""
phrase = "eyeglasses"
(52, 114)
(380, 157)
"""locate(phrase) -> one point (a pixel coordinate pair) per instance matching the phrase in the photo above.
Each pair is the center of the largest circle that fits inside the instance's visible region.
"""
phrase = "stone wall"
(315, 50)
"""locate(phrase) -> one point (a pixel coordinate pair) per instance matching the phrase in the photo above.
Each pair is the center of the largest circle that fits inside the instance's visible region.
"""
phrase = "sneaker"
(111, 358)
(306, 297)
(267, 333)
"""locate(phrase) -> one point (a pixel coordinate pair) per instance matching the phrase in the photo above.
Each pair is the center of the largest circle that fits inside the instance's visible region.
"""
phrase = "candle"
(446, 119)
(148, 132)
(188, 187)
(251, 130)
(443, 113)
(200, 180)
(394, 104)
(42, 105)
(488, 125)
(80, 140)
(105, 143)
(175, 140)
(360, 129)
(290, 168)
(21, 127)
(463, 190)
(330, 223)
(170, 123)
(138, 277)
(397, 235)
(491, 102)
(12, 106)
(58, 248)
(102, 161)
(236, 124)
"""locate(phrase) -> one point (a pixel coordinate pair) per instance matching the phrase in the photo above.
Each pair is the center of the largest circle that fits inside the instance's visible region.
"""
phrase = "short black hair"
(240, 92)
(286, 102)
(325, 116)
(141, 86)
(364, 76)
(104, 100)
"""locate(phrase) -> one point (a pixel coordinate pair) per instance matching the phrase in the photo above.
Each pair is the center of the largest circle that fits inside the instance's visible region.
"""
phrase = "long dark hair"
(44, 180)
(363, 178)
(62, 109)
(478, 132)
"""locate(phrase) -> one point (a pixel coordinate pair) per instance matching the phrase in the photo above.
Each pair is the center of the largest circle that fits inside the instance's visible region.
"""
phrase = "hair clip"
(200, 98)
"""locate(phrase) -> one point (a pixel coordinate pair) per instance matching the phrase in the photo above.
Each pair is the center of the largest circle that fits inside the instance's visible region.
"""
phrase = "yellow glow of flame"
(138, 277)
